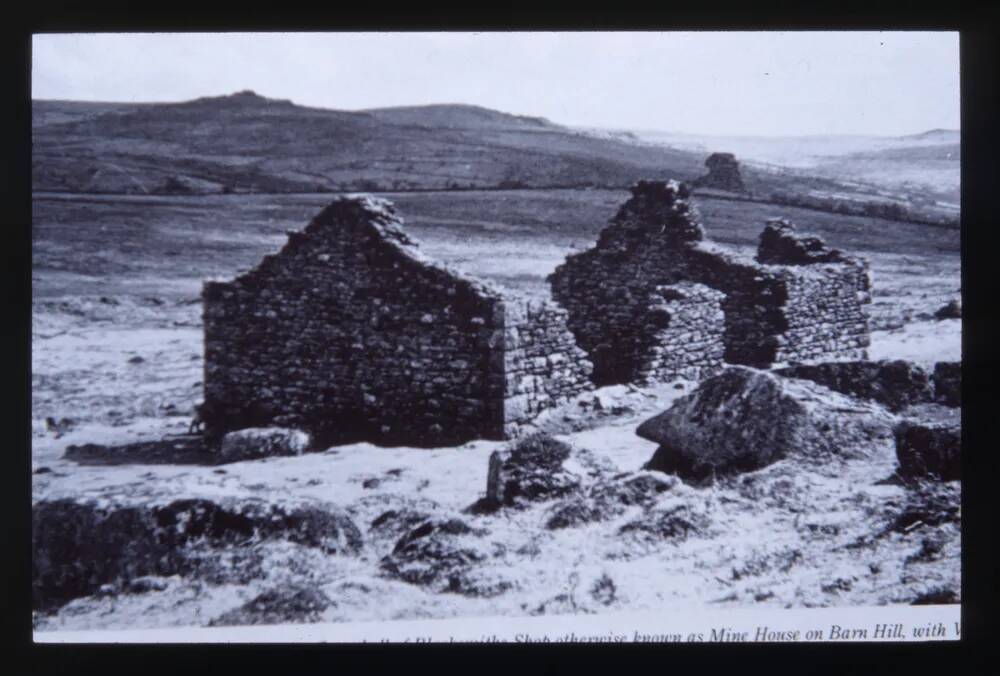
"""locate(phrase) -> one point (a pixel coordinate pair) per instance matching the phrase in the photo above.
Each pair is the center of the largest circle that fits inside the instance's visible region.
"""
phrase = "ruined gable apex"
(658, 211)
(375, 221)
(375, 215)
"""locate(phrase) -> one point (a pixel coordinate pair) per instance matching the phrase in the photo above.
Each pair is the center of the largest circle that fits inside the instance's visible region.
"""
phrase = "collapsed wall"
(785, 310)
(610, 291)
(825, 291)
(350, 333)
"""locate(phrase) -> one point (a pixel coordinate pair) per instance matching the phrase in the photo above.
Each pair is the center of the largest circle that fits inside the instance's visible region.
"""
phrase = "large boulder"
(531, 470)
(263, 442)
(895, 384)
(744, 419)
(929, 443)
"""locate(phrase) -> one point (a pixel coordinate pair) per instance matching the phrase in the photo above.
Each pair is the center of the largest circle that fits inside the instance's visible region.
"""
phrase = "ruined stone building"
(350, 333)
(652, 300)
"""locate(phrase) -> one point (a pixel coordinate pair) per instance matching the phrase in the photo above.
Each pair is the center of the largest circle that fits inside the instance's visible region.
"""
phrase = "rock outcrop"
(441, 554)
(723, 174)
(948, 383)
(675, 521)
(929, 443)
(81, 544)
(607, 499)
(282, 605)
(744, 419)
(950, 310)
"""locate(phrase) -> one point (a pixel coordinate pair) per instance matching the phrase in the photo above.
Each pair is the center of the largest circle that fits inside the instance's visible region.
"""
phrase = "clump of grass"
(604, 590)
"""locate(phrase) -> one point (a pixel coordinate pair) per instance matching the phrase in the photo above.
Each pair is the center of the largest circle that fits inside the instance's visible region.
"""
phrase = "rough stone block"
(929, 448)
(744, 419)
(948, 383)
(253, 443)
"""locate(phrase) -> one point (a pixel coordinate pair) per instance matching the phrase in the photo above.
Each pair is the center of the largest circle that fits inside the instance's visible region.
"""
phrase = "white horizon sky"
(720, 83)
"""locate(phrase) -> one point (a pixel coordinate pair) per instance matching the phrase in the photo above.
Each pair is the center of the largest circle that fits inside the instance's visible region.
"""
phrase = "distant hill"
(936, 136)
(248, 143)
(461, 116)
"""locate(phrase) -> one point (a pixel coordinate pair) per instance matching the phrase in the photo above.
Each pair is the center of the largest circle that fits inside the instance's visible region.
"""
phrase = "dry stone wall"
(825, 291)
(543, 366)
(783, 311)
(823, 315)
(351, 334)
(683, 334)
(896, 384)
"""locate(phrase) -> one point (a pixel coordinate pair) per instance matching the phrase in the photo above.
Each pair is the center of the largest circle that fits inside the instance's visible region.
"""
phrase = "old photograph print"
(352, 327)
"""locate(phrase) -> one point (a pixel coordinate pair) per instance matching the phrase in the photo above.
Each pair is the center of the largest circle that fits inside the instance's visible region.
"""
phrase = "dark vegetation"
(877, 208)
(79, 546)
(246, 143)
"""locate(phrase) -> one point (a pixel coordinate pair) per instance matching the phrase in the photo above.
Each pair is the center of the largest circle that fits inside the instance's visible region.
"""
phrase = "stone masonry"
(543, 366)
(784, 307)
(350, 333)
(683, 336)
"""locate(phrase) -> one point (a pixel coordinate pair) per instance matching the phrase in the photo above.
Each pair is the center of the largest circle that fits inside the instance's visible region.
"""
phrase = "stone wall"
(897, 384)
(775, 312)
(682, 336)
(543, 366)
(607, 289)
(824, 316)
(825, 291)
(350, 333)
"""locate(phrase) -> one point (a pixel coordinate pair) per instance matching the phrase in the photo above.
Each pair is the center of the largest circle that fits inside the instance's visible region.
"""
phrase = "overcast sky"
(774, 83)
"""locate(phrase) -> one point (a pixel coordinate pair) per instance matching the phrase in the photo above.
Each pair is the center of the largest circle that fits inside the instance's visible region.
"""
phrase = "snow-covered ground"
(795, 534)
(923, 342)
